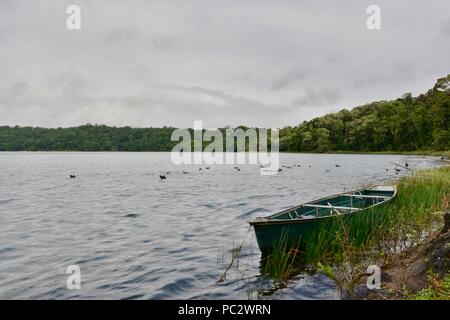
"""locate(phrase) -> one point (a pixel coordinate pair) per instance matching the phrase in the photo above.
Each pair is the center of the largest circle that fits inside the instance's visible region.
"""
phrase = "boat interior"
(339, 204)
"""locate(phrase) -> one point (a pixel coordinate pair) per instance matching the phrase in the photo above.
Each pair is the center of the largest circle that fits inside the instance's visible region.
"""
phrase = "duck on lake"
(162, 177)
(72, 176)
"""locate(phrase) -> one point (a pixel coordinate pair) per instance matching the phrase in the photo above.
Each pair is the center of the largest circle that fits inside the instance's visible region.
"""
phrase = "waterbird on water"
(162, 177)
(337, 166)
(406, 164)
(72, 176)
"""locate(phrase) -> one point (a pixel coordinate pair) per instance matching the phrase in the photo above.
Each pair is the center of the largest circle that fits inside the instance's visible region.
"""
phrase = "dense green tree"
(408, 123)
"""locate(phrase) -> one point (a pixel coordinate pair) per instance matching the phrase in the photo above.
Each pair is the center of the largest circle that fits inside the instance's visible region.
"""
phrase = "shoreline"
(445, 154)
(422, 267)
(419, 272)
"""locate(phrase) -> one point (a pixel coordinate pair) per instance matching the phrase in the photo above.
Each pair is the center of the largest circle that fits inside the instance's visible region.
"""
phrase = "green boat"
(290, 225)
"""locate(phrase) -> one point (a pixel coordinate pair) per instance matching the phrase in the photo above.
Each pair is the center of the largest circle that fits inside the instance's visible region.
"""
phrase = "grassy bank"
(344, 246)
(419, 199)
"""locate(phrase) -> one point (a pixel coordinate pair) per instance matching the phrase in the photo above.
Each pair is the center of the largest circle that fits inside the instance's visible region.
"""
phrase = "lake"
(135, 236)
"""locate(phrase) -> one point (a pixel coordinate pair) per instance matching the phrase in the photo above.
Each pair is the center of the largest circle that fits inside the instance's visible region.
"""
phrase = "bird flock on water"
(238, 169)
(397, 169)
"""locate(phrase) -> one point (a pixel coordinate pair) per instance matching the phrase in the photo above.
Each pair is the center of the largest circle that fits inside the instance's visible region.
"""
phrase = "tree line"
(405, 124)
(85, 138)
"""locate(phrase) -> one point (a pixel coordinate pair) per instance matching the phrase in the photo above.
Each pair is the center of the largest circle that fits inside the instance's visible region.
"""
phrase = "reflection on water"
(136, 237)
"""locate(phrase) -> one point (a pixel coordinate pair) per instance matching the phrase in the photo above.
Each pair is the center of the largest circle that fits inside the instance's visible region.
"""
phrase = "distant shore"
(412, 153)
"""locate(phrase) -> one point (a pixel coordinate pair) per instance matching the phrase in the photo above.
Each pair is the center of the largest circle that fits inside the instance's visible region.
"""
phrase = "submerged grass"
(282, 263)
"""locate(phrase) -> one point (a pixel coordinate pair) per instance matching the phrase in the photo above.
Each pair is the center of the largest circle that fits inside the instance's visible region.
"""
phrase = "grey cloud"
(445, 28)
(18, 90)
(69, 99)
(120, 35)
(317, 97)
(162, 43)
(290, 78)
(403, 72)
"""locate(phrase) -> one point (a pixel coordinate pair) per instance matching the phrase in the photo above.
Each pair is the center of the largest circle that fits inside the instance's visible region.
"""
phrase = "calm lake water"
(137, 237)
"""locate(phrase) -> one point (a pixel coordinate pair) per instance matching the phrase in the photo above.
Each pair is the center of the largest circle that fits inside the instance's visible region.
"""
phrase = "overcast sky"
(258, 63)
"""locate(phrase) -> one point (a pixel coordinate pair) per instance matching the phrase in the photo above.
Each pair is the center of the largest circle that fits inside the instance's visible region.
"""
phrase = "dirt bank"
(414, 269)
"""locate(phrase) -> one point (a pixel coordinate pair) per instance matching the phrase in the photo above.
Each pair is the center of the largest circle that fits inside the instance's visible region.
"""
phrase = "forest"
(406, 124)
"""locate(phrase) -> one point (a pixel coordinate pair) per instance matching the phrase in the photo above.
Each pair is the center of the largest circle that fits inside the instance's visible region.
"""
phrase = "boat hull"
(274, 235)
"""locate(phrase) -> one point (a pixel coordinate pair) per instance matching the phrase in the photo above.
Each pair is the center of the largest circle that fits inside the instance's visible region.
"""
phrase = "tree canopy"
(405, 124)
